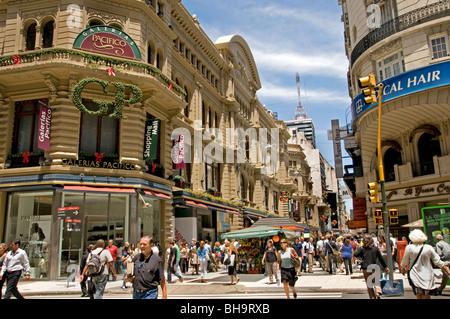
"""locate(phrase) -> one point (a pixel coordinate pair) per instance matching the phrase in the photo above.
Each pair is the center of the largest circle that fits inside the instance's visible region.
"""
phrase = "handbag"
(227, 260)
(295, 262)
(392, 288)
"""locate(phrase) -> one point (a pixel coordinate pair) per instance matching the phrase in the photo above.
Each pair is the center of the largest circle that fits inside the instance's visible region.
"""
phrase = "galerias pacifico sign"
(108, 40)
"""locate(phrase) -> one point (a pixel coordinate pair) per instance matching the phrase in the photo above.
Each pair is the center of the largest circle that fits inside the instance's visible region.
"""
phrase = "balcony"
(415, 17)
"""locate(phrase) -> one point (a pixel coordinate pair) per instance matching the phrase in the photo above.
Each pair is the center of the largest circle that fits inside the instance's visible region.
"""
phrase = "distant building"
(305, 125)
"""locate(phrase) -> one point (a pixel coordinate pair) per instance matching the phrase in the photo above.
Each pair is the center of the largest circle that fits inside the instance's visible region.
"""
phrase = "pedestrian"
(270, 258)
(320, 253)
(297, 245)
(310, 251)
(305, 248)
(232, 267)
(354, 245)
(329, 248)
(288, 272)
(83, 282)
(370, 255)
(108, 264)
(14, 263)
(194, 258)
(420, 257)
(174, 263)
(347, 256)
(443, 250)
(114, 253)
(202, 253)
(125, 259)
(183, 258)
(217, 251)
(3, 252)
(148, 272)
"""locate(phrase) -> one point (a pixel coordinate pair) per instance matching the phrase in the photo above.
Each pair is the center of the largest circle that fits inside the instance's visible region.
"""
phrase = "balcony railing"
(415, 17)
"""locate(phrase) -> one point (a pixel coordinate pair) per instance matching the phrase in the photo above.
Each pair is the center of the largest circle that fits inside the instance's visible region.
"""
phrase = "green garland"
(103, 106)
(95, 58)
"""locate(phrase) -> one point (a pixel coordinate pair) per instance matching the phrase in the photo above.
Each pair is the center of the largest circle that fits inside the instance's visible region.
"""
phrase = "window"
(439, 47)
(30, 39)
(98, 133)
(25, 124)
(391, 158)
(212, 175)
(47, 39)
(391, 66)
(428, 147)
(149, 54)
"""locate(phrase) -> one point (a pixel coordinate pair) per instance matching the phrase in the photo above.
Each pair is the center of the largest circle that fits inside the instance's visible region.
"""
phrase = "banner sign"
(45, 117)
(178, 152)
(436, 221)
(151, 139)
(432, 76)
(107, 40)
(337, 148)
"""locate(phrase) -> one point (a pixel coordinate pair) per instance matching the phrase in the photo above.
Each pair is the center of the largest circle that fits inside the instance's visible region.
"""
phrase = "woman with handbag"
(370, 255)
(203, 255)
(420, 257)
(232, 265)
(270, 259)
(287, 258)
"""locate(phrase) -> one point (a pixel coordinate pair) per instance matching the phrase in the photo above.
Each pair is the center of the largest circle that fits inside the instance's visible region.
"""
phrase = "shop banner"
(436, 221)
(425, 78)
(44, 125)
(178, 152)
(151, 139)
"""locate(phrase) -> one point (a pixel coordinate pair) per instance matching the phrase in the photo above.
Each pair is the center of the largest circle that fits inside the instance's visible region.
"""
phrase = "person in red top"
(114, 252)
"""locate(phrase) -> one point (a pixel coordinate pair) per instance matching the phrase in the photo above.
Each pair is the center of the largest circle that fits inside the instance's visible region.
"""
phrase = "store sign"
(44, 125)
(436, 221)
(178, 152)
(151, 139)
(95, 163)
(418, 191)
(71, 216)
(429, 77)
(107, 40)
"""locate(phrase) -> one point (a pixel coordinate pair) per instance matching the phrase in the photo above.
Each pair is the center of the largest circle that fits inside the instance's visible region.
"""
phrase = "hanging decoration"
(16, 59)
(284, 196)
(98, 157)
(111, 71)
(25, 156)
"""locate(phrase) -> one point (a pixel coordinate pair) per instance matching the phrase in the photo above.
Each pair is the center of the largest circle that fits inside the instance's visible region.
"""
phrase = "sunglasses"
(283, 242)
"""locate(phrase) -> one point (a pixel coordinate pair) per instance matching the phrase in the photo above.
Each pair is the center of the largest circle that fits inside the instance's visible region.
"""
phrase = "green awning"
(256, 232)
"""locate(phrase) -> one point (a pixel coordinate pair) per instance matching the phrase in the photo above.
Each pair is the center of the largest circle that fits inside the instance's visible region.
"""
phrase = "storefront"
(109, 212)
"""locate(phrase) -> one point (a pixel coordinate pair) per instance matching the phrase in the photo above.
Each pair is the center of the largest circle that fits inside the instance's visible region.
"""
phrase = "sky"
(288, 37)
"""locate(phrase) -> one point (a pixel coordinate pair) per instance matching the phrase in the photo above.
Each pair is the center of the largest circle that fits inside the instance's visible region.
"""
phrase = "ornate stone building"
(405, 44)
(123, 119)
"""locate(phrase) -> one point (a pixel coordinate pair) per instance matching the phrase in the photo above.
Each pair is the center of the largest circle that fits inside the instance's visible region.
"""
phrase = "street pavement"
(218, 284)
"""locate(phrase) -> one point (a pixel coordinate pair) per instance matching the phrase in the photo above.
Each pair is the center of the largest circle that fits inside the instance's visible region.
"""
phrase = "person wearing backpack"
(97, 265)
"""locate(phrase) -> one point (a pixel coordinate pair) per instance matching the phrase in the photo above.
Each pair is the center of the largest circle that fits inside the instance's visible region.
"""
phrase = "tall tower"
(300, 112)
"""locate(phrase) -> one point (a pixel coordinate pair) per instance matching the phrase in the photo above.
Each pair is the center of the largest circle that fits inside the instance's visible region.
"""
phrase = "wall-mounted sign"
(45, 118)
(97, 164)
(108, 40)
(418, 191)
(151, 139)
(178, 152)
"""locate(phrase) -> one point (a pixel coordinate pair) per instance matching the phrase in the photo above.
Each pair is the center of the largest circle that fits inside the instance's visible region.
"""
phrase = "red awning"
(195, 204)
(232, 211)
(157, 194)
(99, 189)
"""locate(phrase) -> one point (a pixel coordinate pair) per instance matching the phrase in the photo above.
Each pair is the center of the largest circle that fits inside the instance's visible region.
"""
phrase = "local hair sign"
(108, 40)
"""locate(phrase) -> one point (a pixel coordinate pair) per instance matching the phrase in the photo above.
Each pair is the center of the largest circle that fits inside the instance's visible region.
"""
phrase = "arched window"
(95, 22)
(391, 157)
(186, 109)
(30, 39)
(47, 38)
(428, 146)
(149, 54)
(159, 60)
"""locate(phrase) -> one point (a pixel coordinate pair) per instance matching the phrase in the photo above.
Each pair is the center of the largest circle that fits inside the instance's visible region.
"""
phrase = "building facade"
(120, 120)
(406, 46)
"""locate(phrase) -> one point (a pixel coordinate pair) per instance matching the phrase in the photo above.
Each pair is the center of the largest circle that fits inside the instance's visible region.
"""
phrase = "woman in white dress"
(419, 258)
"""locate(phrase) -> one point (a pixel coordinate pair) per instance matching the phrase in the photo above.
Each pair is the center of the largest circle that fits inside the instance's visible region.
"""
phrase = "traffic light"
(378, 217)
(368, 85)
(393, 216)
(373, 192)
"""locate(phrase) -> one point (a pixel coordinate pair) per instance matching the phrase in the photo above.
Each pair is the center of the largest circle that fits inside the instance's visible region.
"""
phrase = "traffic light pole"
(390, 263)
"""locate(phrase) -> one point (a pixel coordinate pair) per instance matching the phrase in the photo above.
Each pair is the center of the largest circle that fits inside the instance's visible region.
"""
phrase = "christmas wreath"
(284, 196)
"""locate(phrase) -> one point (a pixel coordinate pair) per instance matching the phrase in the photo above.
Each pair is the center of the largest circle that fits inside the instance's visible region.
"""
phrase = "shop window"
(29, 220)
(30, 40)
(99, 133)
(25, 134)
(149, 220)
(428, 146)
(47, 38)
(391, 157)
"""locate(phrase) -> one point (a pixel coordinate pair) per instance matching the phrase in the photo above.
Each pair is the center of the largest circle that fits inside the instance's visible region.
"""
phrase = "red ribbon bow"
(111, 71)
(16, 59)
(98, 157)
(25, 157)
(153, 167)
(170, 86)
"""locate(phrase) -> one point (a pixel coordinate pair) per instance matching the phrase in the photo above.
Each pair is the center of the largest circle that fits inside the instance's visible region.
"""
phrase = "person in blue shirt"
(297, 245)
(347, 255)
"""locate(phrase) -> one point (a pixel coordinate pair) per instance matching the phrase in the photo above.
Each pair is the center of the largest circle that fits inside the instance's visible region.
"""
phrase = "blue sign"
(432, 76)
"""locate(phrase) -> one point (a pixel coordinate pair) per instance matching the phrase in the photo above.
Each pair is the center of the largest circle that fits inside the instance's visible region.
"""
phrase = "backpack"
(95, 267)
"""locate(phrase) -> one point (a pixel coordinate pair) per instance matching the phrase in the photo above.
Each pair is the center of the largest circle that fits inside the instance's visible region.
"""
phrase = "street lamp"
(368, 84)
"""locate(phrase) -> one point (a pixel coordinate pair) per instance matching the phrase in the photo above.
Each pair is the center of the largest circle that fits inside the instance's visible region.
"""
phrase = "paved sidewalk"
(219, 283)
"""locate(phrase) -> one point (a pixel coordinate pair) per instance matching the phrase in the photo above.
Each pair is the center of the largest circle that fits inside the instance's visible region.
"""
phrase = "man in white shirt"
(15, 262)
(108, 262)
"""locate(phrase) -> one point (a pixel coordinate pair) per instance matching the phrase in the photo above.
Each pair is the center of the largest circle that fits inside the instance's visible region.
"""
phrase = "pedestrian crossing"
(271, 295)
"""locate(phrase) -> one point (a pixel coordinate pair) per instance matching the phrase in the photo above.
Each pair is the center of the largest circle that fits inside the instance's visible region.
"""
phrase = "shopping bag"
(392, 288)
